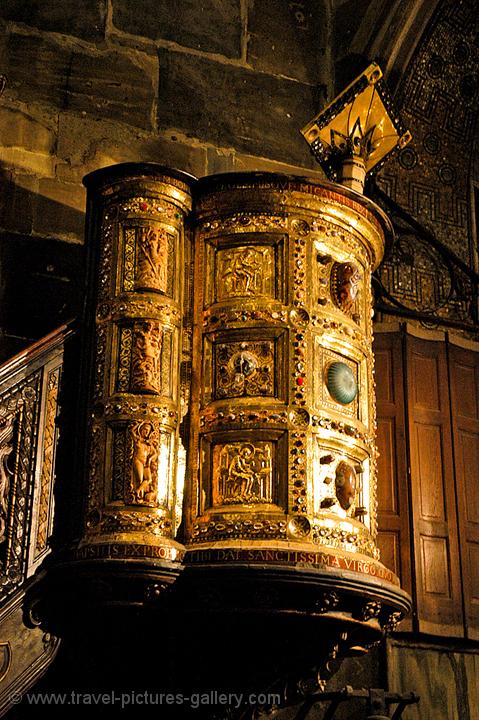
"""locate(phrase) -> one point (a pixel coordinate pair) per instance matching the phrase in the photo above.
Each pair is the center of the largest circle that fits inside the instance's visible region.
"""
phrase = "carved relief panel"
(145, 358)
(149, 259)
(44, 504)
(143, 464)
(245, 267)
(28, 438)
(6, 472)
(242, 366)
(240, 470)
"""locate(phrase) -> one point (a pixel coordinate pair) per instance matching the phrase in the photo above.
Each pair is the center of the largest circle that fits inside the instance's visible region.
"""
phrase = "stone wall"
(443, 676)
(216, 86)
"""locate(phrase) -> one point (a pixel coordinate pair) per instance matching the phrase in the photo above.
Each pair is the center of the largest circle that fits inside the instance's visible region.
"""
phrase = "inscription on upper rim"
(263, 181)
(313, 558)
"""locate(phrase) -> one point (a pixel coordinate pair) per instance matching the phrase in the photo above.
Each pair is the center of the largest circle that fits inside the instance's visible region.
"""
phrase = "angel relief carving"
(152, 259)
(6, 448)
(144, 463)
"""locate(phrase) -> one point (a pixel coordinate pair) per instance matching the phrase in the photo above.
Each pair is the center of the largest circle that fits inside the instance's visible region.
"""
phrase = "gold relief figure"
(145, 362)
(345, 279)
(152, 259)
(144, 465)
(243, 474)
(244, 271)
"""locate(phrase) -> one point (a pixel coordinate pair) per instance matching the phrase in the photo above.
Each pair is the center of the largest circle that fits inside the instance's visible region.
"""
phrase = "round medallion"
(447, 174)
(431, 143)
(408, 158)
(299, 526)
(341, 383)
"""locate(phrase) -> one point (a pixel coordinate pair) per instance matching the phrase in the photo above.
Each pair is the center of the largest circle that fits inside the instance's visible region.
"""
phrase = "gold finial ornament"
(356, 133)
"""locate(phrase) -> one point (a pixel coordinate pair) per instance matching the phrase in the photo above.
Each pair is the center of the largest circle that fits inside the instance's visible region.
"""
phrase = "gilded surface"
(245, 369)
(244, 271)
(319, 299)
(242, 473)
(136, 411)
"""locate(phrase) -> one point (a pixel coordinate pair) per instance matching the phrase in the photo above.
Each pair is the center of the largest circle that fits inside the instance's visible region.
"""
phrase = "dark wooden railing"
(29, 391)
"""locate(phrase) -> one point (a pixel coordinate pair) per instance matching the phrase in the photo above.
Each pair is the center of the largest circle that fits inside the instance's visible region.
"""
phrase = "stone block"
(230, 161)
(85, 19)
(289, 38)
(37, 70)
(246, 163)
(232, 107)
(211, 25)
(85, 145)
(21, 130)
(27, 161)
(112, 84)
(346, 25)
(17, 201)
(43, 284)
(60, 210)
(107, 83)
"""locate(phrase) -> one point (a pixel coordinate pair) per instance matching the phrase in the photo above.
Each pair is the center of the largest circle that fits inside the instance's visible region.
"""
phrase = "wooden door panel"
(426, 386)
(473, 577)
(464, 373)
(435, 566)
(430, 471)
(436, 548)
(468, 462)
(383, 368)
(466, 381)
(388, 543)
(386, 444)
(393, 495)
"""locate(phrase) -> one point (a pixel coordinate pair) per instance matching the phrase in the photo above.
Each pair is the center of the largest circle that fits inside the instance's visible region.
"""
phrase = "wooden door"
(464, 373)
(393, 495)
(436, 550)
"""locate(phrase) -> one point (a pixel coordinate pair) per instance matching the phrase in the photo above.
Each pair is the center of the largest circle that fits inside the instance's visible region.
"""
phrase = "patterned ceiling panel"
(439, 103)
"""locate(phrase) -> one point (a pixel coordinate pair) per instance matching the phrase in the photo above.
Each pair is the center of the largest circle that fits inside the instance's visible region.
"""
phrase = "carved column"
(135, 314)
(285, 433)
